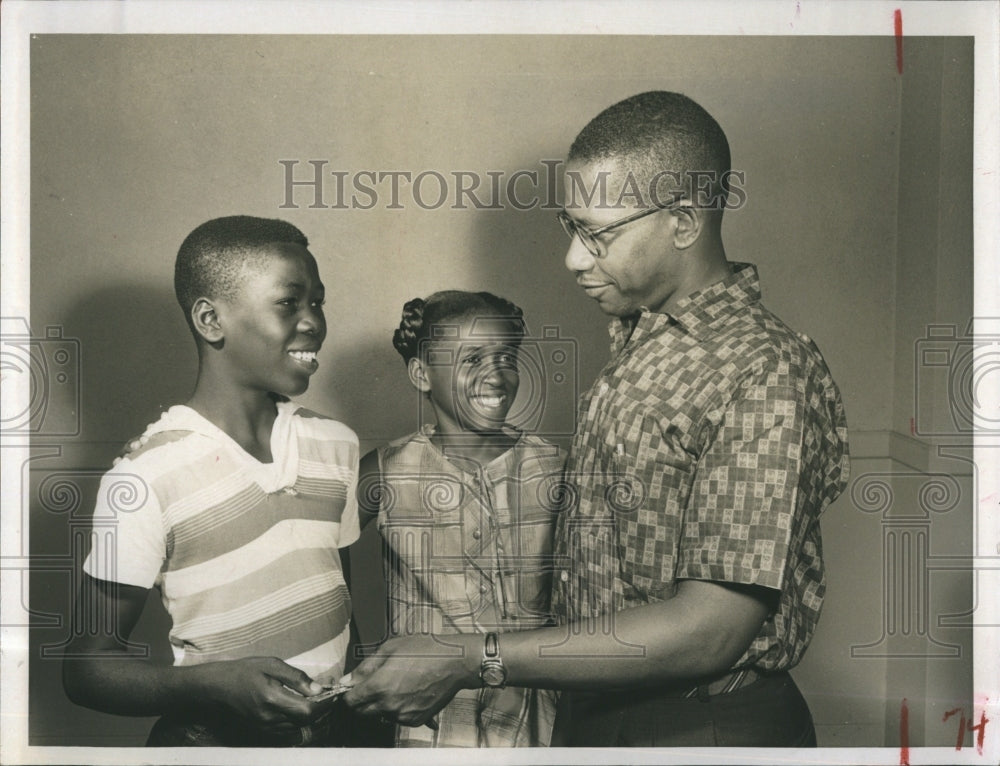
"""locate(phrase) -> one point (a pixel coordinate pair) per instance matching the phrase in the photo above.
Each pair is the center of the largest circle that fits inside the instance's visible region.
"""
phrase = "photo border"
(22, 18)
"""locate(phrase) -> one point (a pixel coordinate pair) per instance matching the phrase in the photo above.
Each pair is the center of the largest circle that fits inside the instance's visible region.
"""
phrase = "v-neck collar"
(279, 474)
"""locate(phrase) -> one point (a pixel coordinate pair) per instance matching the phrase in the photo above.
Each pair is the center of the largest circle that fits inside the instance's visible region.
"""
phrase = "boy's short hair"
(213, 257)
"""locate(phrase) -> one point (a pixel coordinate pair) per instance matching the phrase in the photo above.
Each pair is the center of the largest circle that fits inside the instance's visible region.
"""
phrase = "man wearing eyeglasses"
(689, 573)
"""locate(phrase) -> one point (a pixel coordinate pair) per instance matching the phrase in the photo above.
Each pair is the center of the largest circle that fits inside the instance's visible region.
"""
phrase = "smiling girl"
(466, 509)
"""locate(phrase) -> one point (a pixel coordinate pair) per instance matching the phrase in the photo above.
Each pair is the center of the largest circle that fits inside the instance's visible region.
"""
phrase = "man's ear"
(206, 322)
(690, 224)
(418, 375)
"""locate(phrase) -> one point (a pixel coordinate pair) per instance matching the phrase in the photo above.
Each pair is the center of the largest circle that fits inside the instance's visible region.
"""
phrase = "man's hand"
(410, 679)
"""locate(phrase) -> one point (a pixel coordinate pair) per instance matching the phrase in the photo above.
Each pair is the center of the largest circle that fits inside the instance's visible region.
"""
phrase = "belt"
(724, 685)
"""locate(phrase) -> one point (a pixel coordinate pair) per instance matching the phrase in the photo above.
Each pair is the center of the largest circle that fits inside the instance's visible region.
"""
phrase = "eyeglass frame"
(573, 228)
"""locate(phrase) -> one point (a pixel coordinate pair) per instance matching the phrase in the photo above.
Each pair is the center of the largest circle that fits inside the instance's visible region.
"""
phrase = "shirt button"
(604, 388)
(564, 576)
(483, 589)
(476, 534)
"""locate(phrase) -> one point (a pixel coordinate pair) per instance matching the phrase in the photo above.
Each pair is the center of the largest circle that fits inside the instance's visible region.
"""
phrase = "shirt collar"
(700, 313)
(280, 473)
(427, 430)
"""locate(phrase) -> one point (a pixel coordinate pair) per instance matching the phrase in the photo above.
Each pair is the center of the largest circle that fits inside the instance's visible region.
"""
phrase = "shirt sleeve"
(128, 543)
(350, 524)
(739, 521)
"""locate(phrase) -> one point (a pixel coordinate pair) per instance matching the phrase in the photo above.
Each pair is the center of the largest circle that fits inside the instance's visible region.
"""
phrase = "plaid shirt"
(706, 449)
(468, 549)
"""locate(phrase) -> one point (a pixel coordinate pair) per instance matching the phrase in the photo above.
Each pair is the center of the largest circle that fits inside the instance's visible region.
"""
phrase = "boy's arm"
(353, 654)
(367, 496)
(369, 479)
(98, 673)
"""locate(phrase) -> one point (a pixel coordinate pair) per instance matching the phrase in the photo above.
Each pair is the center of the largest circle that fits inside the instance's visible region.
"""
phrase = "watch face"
(493, 675)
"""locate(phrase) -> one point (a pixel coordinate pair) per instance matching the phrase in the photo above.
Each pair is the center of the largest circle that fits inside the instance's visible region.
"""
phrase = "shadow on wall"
(136, 358)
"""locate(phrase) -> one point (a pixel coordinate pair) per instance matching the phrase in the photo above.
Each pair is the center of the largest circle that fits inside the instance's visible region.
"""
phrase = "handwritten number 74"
(964, 725)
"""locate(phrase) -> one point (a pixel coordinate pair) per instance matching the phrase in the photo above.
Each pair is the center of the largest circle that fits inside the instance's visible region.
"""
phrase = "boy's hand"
(266, 691)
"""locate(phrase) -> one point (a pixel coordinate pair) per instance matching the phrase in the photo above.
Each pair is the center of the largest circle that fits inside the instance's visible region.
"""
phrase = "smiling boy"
(247, 499)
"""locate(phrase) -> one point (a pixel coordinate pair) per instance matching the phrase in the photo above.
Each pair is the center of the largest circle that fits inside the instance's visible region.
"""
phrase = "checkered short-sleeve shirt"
(706, 449)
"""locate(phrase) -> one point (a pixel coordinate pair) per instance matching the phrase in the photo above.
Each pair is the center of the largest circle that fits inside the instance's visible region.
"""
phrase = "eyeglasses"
(589, 237)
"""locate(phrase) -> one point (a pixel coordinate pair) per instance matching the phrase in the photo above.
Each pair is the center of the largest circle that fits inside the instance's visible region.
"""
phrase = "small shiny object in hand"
(331, 691)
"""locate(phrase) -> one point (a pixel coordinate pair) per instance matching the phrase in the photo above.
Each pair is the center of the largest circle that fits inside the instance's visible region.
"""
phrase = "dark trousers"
(342, 727)
(769, 712)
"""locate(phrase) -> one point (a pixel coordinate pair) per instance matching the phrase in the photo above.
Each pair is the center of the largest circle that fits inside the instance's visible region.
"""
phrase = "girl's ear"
(418, 375)
(206, 320)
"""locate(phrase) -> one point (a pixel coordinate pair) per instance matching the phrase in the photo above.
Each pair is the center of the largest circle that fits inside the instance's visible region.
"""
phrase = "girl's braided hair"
(449, 306)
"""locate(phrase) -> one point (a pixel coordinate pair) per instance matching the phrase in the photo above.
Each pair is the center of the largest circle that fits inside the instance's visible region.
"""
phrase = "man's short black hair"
(654, 132)
(212, 259)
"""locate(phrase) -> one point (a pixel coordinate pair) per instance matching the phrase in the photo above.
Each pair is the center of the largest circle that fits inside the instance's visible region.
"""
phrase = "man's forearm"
(699, 633)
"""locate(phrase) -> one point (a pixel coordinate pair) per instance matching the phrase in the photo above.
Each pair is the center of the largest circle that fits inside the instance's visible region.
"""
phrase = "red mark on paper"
(904, 734)
(898, 25)
(980, 729)
(913, 427)
(963, 726)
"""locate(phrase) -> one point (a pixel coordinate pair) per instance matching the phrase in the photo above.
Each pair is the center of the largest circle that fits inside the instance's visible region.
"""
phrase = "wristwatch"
(492, 671)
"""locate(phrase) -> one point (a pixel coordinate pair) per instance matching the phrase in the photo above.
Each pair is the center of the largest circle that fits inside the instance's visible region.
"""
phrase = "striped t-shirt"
(243, 552)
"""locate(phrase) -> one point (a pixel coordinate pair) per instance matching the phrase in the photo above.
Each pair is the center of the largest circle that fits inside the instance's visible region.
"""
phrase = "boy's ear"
(206, 320)
(418, 375)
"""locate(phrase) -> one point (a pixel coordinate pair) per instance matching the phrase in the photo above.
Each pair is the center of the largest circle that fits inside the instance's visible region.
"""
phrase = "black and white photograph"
(578, 382)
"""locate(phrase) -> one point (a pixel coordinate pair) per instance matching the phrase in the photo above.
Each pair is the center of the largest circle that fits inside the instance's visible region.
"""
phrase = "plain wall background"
(858, 216)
